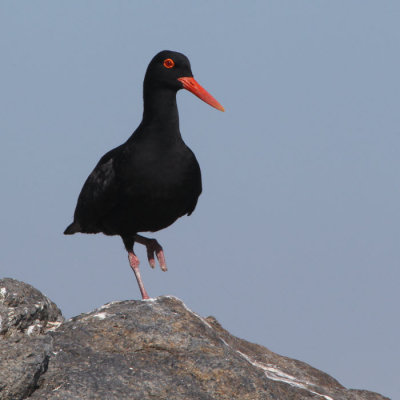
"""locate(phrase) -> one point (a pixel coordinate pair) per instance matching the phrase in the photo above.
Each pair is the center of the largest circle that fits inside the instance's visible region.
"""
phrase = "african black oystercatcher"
(152, 179)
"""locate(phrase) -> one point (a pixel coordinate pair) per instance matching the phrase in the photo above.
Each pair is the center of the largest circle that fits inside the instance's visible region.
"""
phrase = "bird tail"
(73, 228)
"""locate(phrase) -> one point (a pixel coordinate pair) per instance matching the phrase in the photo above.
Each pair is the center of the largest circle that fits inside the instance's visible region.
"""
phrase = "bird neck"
(160, 108)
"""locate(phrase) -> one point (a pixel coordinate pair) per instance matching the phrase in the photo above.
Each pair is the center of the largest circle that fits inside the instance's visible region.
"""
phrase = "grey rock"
(25, 315)
(152, 349)
(22, 361)
(23, 309)
(160, 349)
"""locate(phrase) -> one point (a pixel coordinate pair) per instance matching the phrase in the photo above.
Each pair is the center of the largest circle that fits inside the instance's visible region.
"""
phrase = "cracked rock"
(23, 309)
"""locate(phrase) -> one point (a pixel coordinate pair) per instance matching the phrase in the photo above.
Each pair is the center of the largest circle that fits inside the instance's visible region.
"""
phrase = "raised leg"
(153, 247)
(134, 263)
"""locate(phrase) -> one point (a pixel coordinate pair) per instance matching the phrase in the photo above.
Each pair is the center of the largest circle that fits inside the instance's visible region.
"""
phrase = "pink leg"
(134, 262)
(153, 247)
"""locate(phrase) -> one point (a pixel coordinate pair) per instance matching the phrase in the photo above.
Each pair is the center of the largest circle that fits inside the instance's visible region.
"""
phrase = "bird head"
(171, 70)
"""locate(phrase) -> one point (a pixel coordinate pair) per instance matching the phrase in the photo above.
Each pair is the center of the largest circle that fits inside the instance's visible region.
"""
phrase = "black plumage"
(152, 179)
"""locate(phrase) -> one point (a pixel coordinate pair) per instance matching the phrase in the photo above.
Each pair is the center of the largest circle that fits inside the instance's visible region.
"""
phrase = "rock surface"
(22, 362)
(23, 309)
(25, 317)
(153, 349)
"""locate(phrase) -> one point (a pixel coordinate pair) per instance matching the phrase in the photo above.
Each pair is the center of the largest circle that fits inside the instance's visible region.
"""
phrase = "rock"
(25, 315)
(22, 361)
(159, 349)
(23, 309)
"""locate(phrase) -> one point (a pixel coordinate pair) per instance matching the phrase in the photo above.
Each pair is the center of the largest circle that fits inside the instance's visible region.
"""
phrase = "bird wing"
(99, 193)
(196, 179)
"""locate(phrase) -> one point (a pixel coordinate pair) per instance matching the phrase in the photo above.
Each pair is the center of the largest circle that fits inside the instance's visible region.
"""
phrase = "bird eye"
(169, 63)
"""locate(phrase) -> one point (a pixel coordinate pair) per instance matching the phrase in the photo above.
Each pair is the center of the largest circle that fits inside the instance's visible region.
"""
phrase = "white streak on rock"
(52, 326)
(100, 315)
(108, 305)
(188, 309)
(276, 374)
(97, 313)
(30, 329)
(35, 328)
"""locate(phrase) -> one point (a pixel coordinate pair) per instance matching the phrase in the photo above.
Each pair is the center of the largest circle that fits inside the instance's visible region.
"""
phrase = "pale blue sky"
(295, 240)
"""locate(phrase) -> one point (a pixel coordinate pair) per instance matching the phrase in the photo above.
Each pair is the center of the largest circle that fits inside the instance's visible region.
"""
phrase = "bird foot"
(153, 248)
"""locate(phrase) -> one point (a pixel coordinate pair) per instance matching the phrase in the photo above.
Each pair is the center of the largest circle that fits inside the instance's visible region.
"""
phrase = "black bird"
(152, 179)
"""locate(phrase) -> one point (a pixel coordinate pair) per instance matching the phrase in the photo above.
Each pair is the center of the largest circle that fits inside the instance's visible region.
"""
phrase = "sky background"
(294, 243)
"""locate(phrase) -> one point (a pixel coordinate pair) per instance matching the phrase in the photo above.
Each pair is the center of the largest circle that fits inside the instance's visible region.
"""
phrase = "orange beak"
(190, 84)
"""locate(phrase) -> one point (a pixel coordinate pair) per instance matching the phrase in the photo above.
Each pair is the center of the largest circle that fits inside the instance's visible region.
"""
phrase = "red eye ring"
(168, 63)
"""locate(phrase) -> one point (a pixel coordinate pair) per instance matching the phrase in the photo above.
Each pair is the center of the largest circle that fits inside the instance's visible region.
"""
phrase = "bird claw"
(154, 248)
